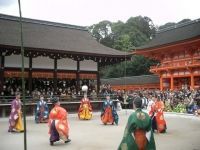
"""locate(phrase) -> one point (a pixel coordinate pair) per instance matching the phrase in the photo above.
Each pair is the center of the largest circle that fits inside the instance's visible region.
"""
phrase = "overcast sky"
(88, 12)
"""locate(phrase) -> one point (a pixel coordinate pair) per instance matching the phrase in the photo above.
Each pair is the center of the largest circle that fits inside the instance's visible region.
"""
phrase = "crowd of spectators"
(183, 100)
(188, 99)
(65, 89)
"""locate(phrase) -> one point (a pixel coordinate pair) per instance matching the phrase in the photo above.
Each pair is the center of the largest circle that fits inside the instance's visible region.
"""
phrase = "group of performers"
(57, 119)
(139, 130)
(138, 133)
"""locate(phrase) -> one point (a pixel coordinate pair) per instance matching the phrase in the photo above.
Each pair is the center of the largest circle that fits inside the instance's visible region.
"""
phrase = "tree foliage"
(135, 32)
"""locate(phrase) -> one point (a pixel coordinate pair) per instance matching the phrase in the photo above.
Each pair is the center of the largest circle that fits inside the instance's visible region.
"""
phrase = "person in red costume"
(58, 123)
(157, 115)
(85, 109)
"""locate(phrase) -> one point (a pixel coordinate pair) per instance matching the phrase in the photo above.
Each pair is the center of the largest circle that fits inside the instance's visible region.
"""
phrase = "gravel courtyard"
(183, 133)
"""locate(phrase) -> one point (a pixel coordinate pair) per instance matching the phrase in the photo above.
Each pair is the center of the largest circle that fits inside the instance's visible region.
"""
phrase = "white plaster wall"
(16, 61)
(88, 65)
(43, 62)
(67, 64)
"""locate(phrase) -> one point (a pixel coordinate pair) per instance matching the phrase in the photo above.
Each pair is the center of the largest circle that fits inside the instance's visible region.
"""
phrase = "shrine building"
(177, 48)
(57, 55)
(142, 82)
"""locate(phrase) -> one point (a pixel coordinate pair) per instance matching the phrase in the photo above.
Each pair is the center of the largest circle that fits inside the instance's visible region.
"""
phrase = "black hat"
(54, 100)
(138, 102)
(17, 94)
(108, 94)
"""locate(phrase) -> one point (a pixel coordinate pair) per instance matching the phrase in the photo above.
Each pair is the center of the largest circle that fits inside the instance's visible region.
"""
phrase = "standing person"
(109, 113)
(15, 119)
(150, 103)
(42, 111)
(85, 109)
(138, 133)
(58, 123)
(156, 113)
(93, 95)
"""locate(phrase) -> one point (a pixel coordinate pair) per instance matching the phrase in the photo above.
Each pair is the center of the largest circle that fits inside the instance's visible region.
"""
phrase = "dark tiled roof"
(143, 79)
(174, 34)
(52, 36)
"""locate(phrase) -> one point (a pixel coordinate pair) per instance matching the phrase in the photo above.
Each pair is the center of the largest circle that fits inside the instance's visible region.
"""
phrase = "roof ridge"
(42, 22)
(180, 25)
(130, 77)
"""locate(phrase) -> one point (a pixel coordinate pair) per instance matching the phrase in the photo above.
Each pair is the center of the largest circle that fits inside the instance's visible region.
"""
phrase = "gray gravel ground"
(183, 133)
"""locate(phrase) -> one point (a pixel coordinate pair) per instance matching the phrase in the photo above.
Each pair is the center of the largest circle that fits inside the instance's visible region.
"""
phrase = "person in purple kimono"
(15, 119)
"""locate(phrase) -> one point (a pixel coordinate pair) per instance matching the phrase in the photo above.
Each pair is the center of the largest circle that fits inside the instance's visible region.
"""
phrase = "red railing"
(175, 65)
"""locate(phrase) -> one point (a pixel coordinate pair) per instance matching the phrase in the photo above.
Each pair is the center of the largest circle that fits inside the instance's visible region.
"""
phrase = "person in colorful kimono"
(109, 113)
(15, 119)
(42, 111)
(58, 123)
(85, 109)
(157, 116)
(138, 133)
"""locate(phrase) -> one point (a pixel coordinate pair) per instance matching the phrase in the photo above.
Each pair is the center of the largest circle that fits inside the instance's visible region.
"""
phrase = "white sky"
(88, 12)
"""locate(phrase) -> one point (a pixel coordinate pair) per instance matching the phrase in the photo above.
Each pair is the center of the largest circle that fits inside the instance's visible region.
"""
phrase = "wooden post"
(192, 81)
(30, 75)
(172, 82)
(55, 75)
(98, 78)
(78, 77)
(161, 83)
(2, 60)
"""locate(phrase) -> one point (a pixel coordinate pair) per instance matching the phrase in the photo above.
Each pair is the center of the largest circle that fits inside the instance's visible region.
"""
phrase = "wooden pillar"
(161, 83)
(55, 75)
(98, 78)
(78, 77)
(2, 61)
(30, 75)
(172, 82)
(192, 81)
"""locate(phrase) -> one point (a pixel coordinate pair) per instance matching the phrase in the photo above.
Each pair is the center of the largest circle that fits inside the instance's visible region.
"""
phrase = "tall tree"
(102, 32)
(125, 37)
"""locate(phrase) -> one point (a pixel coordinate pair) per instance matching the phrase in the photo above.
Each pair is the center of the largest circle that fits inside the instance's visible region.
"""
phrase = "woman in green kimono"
(138, 134)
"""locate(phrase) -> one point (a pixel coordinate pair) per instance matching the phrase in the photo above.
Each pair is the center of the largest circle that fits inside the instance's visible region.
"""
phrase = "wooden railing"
(176, 65)
(30, 99)
(71, 104)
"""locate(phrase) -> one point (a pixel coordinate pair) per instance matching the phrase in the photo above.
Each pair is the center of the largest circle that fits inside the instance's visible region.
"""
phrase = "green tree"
(102, 33)
(138, 66)
(123, 43)
(125, 37)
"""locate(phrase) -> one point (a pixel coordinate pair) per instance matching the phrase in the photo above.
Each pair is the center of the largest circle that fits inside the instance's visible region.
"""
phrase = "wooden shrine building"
(142, 82)
(178, 50)
(54, 52)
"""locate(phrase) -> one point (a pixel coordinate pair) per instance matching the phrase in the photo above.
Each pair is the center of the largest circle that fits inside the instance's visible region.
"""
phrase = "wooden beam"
(55, 75)
(98, 78)
(30, 75)
(161, 83)
(172, 82)
(2, 61)
(78, 77)
(192, 80)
